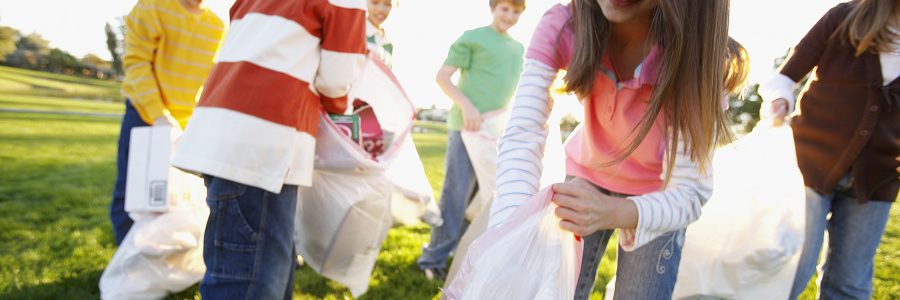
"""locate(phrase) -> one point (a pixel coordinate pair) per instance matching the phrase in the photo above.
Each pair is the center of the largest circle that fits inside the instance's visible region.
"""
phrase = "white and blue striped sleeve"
(520, 150)
(675, 207)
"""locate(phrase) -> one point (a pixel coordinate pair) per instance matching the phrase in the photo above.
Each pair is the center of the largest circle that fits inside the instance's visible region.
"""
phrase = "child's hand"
(585, 210)
(471, 118)
(779, 111)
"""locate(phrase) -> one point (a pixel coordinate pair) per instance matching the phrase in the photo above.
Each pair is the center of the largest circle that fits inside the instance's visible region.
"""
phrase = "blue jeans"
(854, 233)
(248, 245)
(648, 272)
(120, 220)
(459, 187)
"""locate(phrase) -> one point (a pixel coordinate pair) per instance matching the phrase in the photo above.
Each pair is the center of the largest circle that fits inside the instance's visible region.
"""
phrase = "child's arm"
(778, 92)
(343, 52)
(471, 115)
(143, 34)
(520, 150)
(675, 207)
(640, 219)
(778, 97)
(459, 57)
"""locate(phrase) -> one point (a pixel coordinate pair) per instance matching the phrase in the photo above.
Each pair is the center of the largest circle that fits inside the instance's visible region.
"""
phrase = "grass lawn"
(17, 81)
(56, 179)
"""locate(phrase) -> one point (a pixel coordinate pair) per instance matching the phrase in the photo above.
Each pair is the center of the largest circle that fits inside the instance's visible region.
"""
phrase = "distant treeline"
(32, 51)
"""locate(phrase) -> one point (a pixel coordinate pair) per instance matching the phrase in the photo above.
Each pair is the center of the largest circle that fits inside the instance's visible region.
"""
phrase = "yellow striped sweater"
(169, 52)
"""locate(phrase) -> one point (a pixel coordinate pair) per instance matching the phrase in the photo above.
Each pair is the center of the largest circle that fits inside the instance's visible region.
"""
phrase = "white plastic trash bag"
(162, 254)
(341, 222)
(412, 199)
(163, 251)
(747, 243)
(344, 216)
(527, 257)
(482, 149)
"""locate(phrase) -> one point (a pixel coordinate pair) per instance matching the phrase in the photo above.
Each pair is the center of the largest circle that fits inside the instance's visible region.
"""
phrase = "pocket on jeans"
(235, 239)
(233, 261)
(235, 243)
(226, 198)
(235, 224)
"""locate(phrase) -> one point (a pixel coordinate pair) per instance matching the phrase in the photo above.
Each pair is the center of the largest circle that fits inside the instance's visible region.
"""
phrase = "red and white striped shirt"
(282, 63)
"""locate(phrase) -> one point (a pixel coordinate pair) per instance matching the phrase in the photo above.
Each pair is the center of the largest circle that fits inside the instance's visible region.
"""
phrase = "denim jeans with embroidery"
(648, 272)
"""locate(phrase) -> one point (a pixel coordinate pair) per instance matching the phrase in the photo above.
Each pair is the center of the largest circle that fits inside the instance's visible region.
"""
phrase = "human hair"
(692, 36)
(515, 3)
(866, 26)
(737, 67)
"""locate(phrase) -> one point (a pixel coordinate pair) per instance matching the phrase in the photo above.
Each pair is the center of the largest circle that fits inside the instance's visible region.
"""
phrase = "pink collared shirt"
(611, 115)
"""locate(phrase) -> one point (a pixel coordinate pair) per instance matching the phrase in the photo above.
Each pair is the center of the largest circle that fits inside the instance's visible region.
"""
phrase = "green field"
(56, 179)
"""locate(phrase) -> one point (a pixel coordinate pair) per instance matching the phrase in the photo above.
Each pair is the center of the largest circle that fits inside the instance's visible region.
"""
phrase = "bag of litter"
(527, 257)
(344, 216)
(747, 243)
(162, 254)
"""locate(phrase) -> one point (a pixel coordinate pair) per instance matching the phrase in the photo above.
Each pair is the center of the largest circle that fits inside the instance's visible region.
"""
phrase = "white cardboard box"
(153, 185)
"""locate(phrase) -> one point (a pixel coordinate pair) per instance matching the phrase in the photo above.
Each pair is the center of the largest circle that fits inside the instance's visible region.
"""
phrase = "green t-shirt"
(490, 64)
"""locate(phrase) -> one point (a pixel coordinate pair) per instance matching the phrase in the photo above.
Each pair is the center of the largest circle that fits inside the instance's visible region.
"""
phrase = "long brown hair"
(866, 26)
(693, 37)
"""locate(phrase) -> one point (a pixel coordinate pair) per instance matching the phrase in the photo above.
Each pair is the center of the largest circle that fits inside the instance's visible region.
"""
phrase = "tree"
(112, 43)
(34, 42)
(59, 61)
(8, 38)
(743, 110)
(92, 60)
(23, 59)
(31, 53)
(96, 67)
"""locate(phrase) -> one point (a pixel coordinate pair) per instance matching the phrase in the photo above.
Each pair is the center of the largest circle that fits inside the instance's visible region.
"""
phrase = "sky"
(421, 30)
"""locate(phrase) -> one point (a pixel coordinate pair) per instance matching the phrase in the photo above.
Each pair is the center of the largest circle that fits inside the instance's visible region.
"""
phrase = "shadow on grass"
(61, 77)
(38, 88)
(81, 285)
(75, 288)
(107, 90)
(60, 139)
(396, 275)
(53, 225)
(16, 116)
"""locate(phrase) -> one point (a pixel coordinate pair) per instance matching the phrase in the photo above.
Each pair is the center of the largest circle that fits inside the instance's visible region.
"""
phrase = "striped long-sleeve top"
(611, 113)
(282, 63)
(168, 54)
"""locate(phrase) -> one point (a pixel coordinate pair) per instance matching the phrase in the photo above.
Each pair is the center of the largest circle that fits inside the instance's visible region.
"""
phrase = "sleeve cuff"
(334, 105)
(456, 64)
(149, 111)
(777, 87)
(632, 239)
